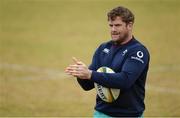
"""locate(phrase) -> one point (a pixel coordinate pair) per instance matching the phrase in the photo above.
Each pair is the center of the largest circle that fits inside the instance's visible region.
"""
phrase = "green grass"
(45, 34)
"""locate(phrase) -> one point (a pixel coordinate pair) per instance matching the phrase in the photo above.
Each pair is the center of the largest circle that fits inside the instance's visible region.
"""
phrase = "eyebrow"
(115, 24)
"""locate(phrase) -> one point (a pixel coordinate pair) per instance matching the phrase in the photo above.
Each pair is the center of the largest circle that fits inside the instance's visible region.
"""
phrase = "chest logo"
(124, 52)
(106, 50)
(140, 54)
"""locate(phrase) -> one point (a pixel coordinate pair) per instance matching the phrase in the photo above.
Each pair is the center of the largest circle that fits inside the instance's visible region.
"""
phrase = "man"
(127, 57)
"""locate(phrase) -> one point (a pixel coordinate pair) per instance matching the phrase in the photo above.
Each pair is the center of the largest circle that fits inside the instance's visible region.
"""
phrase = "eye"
(110, 25)
(118, 25)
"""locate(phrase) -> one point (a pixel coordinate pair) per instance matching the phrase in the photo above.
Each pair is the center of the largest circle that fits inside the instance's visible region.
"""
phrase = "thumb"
(75, 60)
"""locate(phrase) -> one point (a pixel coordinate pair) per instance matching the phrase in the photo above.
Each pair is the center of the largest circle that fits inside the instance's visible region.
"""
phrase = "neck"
(127, 40)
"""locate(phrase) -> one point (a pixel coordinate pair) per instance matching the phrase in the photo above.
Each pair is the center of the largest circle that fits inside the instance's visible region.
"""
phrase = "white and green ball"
(106, 94)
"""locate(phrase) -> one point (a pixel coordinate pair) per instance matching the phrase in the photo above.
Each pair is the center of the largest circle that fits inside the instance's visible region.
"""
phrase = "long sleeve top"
(130, 62)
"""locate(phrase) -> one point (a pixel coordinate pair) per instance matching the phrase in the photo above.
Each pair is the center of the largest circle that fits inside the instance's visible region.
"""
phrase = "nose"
(113, 28)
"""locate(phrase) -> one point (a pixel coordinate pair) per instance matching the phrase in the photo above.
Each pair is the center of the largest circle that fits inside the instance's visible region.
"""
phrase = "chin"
(115, 40)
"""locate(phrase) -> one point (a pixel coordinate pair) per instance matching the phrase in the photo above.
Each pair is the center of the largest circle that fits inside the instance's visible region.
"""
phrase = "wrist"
(90, 74)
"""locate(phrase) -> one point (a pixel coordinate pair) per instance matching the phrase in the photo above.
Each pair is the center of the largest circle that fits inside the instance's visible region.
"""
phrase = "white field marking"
(60, 73)
(163, 89)
(165, 68)
(47, 73)
(44, 72)
(34, 69)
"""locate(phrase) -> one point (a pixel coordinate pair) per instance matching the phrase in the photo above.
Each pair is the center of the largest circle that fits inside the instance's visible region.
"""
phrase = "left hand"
(79, 70)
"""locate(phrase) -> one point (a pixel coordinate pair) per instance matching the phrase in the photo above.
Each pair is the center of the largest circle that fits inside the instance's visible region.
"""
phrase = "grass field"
(39, 37)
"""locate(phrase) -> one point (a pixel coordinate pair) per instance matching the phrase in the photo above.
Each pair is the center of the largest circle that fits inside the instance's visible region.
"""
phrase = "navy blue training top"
(130, 63)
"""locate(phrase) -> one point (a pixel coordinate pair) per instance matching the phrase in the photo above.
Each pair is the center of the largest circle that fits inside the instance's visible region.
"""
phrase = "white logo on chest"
(124, 52)
(106, 50)
(140, 54)
(139, 57)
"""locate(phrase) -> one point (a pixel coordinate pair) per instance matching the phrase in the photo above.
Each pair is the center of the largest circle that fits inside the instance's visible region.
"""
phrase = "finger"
(68, 70)
(75, 60)
(75, 73)
(78, 62)
(72, 67)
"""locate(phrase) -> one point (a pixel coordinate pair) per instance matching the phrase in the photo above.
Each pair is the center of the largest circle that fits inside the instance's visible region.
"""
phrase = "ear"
(130, 25)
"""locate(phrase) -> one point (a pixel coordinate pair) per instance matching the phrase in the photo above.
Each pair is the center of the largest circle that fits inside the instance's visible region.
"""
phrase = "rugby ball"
(106, 94)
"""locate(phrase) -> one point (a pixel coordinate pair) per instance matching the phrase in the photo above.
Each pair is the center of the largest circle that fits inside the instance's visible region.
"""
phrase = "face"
(120, 31)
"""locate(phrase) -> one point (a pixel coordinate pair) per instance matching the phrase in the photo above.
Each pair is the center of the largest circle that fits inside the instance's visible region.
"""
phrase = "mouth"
(115, 35)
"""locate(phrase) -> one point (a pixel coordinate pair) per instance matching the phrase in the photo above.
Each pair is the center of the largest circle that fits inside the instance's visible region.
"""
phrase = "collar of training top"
(116, 44)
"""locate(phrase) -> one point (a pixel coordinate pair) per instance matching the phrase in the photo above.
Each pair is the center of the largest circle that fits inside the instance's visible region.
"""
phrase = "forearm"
(120, 80)
(86, 84)
(124, 79)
